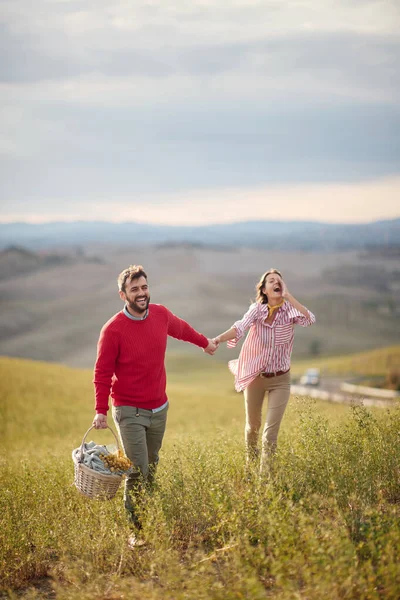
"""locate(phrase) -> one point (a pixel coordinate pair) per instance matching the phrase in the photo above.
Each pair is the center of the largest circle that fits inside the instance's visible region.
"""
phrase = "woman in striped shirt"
(263, 365)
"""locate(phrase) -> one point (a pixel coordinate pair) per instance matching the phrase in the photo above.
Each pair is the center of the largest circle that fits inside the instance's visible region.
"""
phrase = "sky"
(197, 111)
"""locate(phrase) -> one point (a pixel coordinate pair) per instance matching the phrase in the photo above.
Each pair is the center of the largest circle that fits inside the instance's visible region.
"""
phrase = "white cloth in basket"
(91, 457)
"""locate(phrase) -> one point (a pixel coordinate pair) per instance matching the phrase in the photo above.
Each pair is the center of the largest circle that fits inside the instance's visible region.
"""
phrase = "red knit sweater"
(130, 358)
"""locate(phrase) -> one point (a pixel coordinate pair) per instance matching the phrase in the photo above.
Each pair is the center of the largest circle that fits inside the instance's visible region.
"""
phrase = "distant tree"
(315, 347)
(392, 381)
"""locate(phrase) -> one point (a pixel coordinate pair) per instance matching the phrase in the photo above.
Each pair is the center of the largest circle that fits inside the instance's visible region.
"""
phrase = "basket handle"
(85, 436)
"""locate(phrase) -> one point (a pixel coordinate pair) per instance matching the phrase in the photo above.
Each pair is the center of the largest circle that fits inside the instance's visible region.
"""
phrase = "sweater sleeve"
(179, 329)
(107, 354)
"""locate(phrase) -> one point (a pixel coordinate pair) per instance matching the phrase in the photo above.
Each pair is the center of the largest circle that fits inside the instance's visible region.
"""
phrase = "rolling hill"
(55, 312)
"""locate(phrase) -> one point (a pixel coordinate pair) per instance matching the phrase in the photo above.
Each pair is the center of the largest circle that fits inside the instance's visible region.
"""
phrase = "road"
(330, 389)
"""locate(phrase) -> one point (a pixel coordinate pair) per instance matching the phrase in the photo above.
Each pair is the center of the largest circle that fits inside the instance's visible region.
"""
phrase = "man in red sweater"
(130, 368)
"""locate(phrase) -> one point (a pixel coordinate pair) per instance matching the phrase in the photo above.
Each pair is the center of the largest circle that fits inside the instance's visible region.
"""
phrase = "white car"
(311, 377)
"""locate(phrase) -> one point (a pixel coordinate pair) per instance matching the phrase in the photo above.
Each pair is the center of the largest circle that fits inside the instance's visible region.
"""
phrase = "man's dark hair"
(132, 272)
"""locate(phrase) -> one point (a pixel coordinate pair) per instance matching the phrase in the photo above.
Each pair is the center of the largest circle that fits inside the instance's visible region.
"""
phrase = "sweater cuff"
(101, 406)
(204, 342)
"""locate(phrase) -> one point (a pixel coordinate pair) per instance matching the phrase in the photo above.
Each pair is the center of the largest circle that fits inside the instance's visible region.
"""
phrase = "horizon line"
(191, 226)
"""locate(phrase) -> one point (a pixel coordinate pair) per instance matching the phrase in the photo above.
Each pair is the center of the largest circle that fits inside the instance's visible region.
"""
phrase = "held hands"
(212, 346)
(100, 421)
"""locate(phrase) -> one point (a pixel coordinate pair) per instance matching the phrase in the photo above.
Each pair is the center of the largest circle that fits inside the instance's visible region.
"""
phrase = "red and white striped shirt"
(267, 348)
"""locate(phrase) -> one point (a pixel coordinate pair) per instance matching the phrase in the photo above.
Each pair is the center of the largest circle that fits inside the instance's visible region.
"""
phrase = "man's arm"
(107, 353)
(181, 330)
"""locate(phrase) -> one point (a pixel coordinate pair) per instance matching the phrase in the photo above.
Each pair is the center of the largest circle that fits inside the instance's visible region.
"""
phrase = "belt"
(266, 375)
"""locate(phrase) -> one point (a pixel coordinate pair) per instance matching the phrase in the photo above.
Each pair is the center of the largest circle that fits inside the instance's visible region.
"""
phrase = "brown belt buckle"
(267, 375)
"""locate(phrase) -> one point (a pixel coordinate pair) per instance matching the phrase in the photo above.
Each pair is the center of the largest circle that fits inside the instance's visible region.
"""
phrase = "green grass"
(326, 524)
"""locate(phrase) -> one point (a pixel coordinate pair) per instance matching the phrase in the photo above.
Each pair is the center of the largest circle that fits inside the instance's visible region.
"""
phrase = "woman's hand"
(284, 290)
(212, 347)
(288, 296)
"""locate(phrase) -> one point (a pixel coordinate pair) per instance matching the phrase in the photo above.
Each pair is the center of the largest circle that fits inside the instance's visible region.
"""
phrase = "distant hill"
(296, 235)
(55, 312)
(16, 260)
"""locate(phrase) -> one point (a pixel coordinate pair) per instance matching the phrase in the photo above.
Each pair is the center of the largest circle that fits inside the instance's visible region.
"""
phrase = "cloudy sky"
(198, 111)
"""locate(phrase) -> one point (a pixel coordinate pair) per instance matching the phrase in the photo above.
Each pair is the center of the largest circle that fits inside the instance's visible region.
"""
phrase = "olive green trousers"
(141, 432)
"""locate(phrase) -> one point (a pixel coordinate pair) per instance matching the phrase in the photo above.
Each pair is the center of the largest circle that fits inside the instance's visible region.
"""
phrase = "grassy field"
(326, 524)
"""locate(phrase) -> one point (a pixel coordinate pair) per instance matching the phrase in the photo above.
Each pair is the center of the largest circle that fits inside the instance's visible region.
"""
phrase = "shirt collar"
(284, 306)
(128, 314)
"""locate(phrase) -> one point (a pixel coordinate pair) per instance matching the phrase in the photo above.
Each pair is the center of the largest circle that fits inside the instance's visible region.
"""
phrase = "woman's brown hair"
(261, 297)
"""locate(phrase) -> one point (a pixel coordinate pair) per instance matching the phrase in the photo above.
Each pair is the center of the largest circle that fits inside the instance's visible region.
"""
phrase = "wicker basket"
(91, 483)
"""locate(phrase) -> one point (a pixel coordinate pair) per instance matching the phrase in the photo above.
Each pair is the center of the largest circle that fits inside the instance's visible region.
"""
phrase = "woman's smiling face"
(273, 286)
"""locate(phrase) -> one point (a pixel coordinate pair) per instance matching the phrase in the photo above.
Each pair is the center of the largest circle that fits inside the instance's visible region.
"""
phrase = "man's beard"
(139, 308)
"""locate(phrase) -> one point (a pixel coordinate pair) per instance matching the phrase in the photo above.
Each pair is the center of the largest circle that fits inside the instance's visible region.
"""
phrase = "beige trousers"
(278, 390)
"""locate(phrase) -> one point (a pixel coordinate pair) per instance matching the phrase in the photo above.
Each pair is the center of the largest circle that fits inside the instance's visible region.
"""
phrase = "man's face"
(136, 295)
